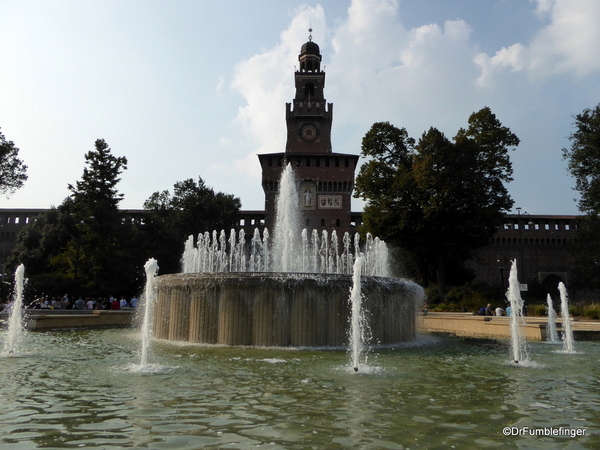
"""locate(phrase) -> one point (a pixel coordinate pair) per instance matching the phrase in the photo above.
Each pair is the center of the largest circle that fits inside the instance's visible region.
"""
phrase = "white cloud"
(571, 42)
(543, 6)
(515, 58)
(266, 82)
(399, 74)
(378, 69)
(220, 85)
(568, 44)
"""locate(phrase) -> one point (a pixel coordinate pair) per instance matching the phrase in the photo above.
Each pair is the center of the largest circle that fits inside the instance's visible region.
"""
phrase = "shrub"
(469, 297)
(432, 295)
(592, 311)
(537, 310)
(446, 307)
(576, 311)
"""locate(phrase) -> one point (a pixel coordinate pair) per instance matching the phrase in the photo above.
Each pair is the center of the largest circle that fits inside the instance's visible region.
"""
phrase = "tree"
(584, 165)
(193, 208)
(96, 252)
(584, 159)
(84, 246)
(39, 242)
(438, 199)
(13, 173)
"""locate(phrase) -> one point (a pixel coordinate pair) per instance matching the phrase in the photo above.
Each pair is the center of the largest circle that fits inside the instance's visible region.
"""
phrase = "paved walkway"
(467, 324)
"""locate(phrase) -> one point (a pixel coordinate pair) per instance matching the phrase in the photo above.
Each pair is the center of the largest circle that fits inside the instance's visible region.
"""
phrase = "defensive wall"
(541, 244)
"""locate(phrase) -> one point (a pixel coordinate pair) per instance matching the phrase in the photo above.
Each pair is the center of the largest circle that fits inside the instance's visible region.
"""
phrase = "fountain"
(149, 298)
(15, 320)
(291, 290)
(287, 224)
(357, 325)
(518, 345)
(552, 335)
(567, 333)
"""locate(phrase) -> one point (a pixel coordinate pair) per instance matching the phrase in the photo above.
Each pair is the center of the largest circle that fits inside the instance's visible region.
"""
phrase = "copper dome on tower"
(310, 56)
(310, 48)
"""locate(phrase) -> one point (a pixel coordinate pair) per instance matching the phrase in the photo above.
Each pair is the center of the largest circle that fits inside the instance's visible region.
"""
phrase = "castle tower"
(325, 179)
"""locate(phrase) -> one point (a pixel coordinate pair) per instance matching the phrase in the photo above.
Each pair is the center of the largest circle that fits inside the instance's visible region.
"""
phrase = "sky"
(186, 89)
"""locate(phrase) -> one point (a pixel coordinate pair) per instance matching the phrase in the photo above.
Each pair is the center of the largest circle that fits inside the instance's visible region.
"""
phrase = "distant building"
(541, 245)
(12, 221)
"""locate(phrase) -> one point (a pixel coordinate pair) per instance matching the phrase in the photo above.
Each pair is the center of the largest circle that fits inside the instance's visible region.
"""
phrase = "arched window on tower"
(309, 91)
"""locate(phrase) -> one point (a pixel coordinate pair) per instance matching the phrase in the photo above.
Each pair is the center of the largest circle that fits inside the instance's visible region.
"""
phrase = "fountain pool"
(78, 390)
(292, 290)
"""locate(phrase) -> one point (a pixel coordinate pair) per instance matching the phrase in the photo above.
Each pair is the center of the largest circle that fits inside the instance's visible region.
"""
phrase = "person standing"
(79, 304)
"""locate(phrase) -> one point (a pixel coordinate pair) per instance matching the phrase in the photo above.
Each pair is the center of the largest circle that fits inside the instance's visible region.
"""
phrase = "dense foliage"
(584, 164)
(192, 208)
(82, 246)
(584, 159)
(86, 246)
(436, 198)
(13, 172)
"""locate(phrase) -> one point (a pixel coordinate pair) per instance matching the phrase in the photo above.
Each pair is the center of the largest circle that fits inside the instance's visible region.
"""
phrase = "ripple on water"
(82, 389)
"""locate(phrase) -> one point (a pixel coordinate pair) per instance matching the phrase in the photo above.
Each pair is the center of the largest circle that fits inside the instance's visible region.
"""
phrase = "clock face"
(308, 132)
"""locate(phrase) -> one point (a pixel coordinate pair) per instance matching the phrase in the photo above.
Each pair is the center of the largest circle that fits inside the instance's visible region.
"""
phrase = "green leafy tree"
(84, 245)
(584, 165)
(39, 242)
(13, 173)
(584, 159)
(193, 208)
(438, 199)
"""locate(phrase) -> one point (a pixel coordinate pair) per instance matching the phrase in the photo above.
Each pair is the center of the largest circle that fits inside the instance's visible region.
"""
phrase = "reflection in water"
(77, 390)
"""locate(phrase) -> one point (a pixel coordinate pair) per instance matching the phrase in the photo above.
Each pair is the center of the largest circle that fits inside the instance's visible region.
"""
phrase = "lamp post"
(501, 267)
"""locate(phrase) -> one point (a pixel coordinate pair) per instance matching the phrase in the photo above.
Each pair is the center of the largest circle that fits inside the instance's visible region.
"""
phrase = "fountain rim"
(281, 279)
(280, 275)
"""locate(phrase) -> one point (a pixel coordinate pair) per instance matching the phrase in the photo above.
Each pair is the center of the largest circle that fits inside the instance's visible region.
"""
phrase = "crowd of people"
(109, 303)
(498, 311)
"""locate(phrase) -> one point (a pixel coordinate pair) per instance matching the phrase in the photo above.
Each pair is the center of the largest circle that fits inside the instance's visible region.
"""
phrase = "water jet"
(518, 345)
(15, 320)
(288, 290)
(567, 333)
(552, 335)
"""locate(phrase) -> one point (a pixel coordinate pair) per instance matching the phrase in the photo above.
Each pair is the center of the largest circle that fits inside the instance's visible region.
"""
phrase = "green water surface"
(85, 389)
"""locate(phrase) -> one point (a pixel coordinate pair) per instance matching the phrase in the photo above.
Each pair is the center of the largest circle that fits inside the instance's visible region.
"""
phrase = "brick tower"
(325, 179)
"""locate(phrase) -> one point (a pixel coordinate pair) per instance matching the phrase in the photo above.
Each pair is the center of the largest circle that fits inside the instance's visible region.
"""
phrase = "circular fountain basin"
(281, 309)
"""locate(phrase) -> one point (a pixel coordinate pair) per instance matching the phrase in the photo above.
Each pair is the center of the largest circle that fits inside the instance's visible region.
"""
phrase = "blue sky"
(198, 88)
